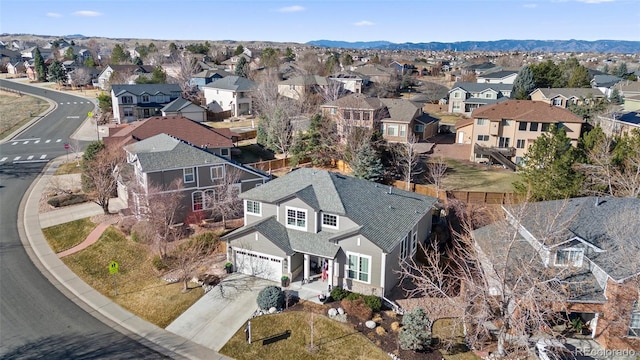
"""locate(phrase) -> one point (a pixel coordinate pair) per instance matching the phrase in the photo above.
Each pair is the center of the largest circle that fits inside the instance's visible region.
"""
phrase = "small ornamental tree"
(416, 330)
(271, 296)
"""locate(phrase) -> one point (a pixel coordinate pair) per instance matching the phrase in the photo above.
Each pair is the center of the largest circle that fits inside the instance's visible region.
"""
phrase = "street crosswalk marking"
(37, 141)
(26, 142)
(48, 141)
(43, 156)
(61, 103)
(13, 143)
(68, 103)
(3, 159)
(17, 158)
(58, 140)
(29, 157)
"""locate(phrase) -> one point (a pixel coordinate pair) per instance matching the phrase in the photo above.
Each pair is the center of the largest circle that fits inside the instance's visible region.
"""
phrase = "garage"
(258, 264)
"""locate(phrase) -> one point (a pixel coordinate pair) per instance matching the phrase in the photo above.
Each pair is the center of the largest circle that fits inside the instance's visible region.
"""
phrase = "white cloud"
(54, 15)
(290, 9)
(530, 6)
(86, 13)
(594, 1)
(363, 23)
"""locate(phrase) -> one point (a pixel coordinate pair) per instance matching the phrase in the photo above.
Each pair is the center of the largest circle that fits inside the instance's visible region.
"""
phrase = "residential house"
(498, 77)
(397, 119)
(377, 73)
(351, 81)
(504, 131)
(82, 75)
(402, 68)
(140, 101)
(563, 97)
(8, 56)
(215, 141)
(464, 97)
(627, 88)
(230, 94)
(591, 244)
(29, 53)
(481, 69)
(128, 72)
(16, 68)
(160, 160)
(184, 107)
(605, 83)
(615, 123)
(631, 103)
(360, 229)
(300, 86)
(205, 77)
(230, 64)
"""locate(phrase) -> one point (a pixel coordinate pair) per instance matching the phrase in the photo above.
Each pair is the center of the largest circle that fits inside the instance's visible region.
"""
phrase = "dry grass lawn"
(65, 236)
(140, 288)
(67, 168)
(333, 340)
(16, 110)
(450, 331)
(468, 177)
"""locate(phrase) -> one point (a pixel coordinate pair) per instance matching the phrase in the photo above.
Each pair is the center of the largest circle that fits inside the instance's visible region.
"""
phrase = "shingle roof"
(132, 68)
(605, 80)
(631, 86)
(498, 74)
(384, 218)
(479, 87)
(306, 80)
(161, 152)
(356, 101)
(211, 73)
(571, 92)
(150, 89)
(177, 126)
(612, 226)
(526, 110)
(401, 110)
(233, 83)
(177, 105)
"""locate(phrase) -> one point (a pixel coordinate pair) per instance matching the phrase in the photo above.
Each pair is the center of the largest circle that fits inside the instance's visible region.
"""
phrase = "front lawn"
(71, 167)
(65, 236)
(472, 177)
(333, 340)
(140, 288)
(448, 336)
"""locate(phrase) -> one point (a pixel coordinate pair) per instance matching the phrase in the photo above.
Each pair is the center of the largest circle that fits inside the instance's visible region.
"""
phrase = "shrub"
(67, 199)
(377, 318)
(209, 241)
(380, 330)
(357, 308)
(416, 330)
(271, 296)
(159, 263)
(338, 293)
(353, 296)
(373, 302)
(395, 326)
(135, 237)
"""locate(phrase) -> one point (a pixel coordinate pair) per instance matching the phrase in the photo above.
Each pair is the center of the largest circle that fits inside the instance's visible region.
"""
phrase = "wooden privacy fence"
(472, 197)
(276, 164)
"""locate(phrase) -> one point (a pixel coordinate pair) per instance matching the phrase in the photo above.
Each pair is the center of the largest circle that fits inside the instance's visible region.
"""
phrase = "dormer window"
(145, 98)
(568, 257)
(330, 221)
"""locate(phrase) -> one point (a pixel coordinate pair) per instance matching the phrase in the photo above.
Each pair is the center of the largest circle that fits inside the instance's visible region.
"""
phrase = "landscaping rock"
(341, 318)
(272, 310)
(370, 324)
(340, 311)
(333, 312)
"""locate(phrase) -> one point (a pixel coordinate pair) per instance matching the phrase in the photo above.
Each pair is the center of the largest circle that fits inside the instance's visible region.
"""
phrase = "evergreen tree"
(40, 68)
(347, 59)
(605, 68)
(579, 78)
(89, 62)
(137, 61)
(69, 55)
(621, 70)
(57, 73)
(118, 55)
(239, 50)
(416, 330)
(159, 76)
(548, 172)
(289, 54)
(241, 66)
(318, 143)
(269, 57)
(548, 75)
(615, 97)
(366, 163)
(375, 59)
(524, 84)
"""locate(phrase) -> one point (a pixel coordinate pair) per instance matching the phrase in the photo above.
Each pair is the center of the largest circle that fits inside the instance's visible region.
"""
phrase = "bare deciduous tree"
(223, 200)
(80, 77)
(101, 174)
(186, 68)
(160, 206)
(186, 259)
(409, 159)
(437, 171)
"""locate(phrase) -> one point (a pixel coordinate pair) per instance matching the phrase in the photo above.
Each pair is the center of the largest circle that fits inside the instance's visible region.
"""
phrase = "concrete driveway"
(213, 319)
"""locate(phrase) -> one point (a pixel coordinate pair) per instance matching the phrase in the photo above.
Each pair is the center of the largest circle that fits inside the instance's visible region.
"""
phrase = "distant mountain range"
(597, 46)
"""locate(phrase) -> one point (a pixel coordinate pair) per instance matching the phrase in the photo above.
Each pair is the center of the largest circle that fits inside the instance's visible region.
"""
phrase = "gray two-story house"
(464, 97)
(360, 229)
(141, 101)
(156, 162)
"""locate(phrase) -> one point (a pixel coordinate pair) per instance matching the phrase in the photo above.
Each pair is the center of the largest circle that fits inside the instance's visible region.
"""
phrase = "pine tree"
(38, 63)
(416, 330)
(239, 50)
(240, 67)
(523, 85)
(621, 70)
(366, 163)
(118, 55)
(57, 72)
(548, 172)
(579, 78)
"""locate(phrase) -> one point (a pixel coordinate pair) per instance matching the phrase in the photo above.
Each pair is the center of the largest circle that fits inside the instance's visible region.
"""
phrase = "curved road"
(36, 319)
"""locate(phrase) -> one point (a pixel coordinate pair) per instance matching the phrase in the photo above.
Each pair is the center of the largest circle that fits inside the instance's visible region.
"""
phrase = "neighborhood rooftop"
(523, 110)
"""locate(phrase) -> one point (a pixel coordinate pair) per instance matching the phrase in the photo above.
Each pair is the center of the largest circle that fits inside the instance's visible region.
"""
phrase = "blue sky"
(348, 20)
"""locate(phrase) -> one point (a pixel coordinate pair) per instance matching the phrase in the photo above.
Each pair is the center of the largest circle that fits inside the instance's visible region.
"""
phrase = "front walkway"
(92, 238)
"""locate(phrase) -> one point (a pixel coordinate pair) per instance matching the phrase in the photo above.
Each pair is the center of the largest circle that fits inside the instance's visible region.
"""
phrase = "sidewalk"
(40, 252)
(91, 239)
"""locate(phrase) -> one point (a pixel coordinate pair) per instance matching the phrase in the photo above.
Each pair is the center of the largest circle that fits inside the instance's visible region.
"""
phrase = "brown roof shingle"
(526, 110)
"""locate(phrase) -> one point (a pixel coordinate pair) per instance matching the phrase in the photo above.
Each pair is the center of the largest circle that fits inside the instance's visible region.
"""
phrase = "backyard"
(474, 177)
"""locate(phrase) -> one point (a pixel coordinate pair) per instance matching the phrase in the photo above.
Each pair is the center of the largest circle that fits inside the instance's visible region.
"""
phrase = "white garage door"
(258, 264)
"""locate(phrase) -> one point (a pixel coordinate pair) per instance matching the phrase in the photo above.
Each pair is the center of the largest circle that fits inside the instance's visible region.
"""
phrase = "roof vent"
(390, 188)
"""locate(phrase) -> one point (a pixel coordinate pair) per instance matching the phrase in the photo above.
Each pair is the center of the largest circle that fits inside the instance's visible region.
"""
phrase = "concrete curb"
(63, 278)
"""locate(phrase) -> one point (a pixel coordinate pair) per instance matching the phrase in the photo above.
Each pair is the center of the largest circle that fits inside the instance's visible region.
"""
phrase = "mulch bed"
(387, 342)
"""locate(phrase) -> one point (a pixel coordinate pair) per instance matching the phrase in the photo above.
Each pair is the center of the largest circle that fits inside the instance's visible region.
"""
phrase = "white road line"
(16, 158)
(48, 141)
(58, 140)
(3, 159)
(37, 141)
(43, 156)
(62, 103)
(75, 102)
(29, 157)
(68, 103)
(26, 142)
(14, 143)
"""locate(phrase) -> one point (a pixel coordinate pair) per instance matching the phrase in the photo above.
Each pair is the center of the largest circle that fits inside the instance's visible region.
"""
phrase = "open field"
(140, 288)
(16, 110)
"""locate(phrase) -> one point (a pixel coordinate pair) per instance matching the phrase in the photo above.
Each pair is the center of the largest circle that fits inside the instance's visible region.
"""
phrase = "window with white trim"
(296, 218)
(568, 257)
(217, 172)
(481, 122)
(127, 99)
(557, 101)
(189, 175)
(414, 242)
(330, 221)
(145, 98)
(358, 267)
(634, 325)
(224, 152)
(403, 130)
(196, 200)
(483, 137)
(404, 247)
(254, 207)
(128, 112)
(392, 130)
(520, 143)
